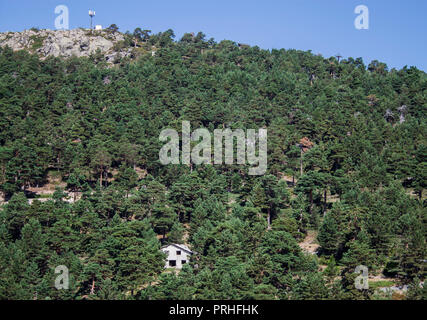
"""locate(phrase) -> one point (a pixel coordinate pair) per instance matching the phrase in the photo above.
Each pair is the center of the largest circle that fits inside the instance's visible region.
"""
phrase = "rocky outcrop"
(66, 43)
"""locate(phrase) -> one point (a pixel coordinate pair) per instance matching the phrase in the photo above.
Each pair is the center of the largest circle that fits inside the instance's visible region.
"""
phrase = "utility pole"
(91, 15)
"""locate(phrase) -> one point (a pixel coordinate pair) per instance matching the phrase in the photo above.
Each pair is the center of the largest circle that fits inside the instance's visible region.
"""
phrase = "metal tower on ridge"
(91, 15)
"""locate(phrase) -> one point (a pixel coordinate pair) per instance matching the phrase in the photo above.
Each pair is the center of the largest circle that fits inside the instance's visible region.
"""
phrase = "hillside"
(79, 140)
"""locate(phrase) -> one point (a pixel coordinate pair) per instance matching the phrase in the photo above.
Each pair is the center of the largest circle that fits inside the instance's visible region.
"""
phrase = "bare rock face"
(64, 43)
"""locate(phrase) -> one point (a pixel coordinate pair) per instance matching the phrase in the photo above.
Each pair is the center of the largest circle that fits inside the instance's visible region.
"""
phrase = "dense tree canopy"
(95, 127)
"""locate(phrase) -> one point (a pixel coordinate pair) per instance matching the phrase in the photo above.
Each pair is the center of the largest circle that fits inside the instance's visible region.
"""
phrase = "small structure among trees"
(177, 255)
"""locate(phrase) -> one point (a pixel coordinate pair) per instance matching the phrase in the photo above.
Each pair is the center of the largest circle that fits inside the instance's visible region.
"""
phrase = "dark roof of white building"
(179, 246)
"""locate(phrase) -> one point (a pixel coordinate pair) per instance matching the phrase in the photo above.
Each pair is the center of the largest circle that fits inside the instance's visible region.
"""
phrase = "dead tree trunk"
(92, 289)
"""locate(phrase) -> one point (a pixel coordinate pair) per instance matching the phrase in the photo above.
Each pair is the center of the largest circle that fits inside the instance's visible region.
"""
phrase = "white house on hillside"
(177, 255)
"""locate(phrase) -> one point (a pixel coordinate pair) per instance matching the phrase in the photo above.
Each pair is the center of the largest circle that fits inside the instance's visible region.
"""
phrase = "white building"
(98, 27)
(177, 255)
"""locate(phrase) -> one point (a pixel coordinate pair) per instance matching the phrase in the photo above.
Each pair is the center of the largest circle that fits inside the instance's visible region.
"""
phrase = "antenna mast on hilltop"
(91, 15)
(338, 56)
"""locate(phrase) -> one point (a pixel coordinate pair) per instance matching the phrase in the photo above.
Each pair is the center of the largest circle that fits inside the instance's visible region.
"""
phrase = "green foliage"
(37, 42)
(97, 127)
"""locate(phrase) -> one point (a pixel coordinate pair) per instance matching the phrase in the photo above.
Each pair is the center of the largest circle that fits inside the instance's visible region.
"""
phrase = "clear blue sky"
(397, 33)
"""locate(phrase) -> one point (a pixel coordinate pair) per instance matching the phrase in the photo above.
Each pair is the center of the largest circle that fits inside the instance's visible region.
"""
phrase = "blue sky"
(397, 33)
